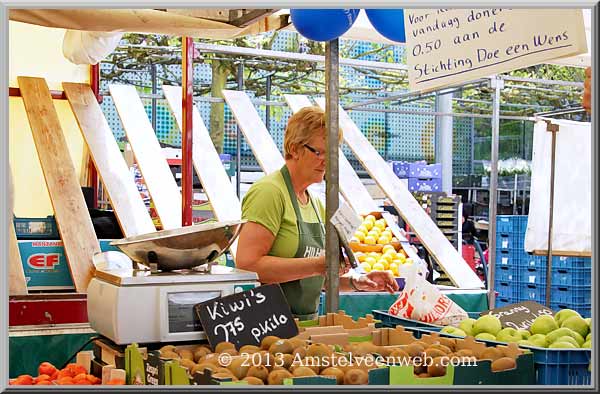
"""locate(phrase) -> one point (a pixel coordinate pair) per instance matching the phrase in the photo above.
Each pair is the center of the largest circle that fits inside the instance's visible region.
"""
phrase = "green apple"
(539, 340)
(508, 334)
(588, 320)
(543, 325)
(486, 336)
(587, 345)
(524, 333)
(570, 339)
(562, 332)
(454, 331)
(588, 337)
(467, 325)
(526, 342)
(562, 345)
(487, 323)
(577, 324)
(564, 314)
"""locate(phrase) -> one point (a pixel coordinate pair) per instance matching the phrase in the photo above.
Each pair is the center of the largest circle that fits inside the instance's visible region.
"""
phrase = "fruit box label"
(45, 263)
(520, 315)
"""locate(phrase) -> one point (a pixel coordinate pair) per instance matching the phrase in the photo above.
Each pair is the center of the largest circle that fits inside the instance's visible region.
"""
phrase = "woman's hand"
(376, 281)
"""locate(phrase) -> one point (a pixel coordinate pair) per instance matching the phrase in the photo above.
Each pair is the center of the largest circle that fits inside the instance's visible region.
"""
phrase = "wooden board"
(351, 187)
(258, 137)
(123, 194)
(215, 181)
(71, 213)
(153, 165)
(17, 285)
(430, 235)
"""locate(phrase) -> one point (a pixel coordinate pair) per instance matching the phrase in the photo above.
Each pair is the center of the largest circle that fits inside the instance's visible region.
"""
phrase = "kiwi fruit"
(223, 370)
(464, 353)
(423, 375)
(449, 342)
(436, 368)
(251, 380)
(281, 346)
(169, 355)
(399, 356)
(491, 353)
(364, 348)
(201, 367)
(303, 371)
(200, 352)
(337, 373)
(239, 367)
(441, 347)
(186, 363)
(278, 368)
(277, 377)
(186, 354)
(168, 348)
(299, 352)
(250, 349)
(230, 351)
(414, 349)
(283, 360)
(258, 371)
(419, 368)
(318, 350)
(267, 341)
(503, 363)
(212, 358)
(355, 377)
(224, 345)
(433, 352)
(297, 342)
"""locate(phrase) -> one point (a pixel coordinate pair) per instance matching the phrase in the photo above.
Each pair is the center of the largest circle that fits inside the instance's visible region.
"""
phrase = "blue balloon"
(323, 24)
(388, 22)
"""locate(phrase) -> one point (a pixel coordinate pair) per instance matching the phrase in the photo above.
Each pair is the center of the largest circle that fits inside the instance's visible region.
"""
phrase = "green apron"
(303, 294)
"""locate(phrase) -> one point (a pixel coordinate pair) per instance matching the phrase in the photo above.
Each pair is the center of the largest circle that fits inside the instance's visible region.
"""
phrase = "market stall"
(196, 325)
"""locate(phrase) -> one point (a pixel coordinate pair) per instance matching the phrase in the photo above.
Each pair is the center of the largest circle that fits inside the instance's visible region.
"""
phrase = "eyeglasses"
(317, 153)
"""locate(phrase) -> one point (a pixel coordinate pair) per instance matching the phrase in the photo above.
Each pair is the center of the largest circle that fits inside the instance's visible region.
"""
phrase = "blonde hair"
(302, 126)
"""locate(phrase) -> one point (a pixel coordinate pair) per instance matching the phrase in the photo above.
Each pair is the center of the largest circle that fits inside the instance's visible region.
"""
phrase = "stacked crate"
(444, 213)
(520, 276)
(419, 176)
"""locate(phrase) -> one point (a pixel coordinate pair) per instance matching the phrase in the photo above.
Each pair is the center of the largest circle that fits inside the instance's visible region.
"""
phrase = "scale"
(147, 293)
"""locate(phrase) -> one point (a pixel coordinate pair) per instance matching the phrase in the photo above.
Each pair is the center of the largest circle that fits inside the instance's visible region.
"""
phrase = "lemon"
(366, 267)
(408, 261)
(370, 240)
(371, 217)
(384, 262)
(370, 260)
(360, 256)
(380, 225)
(387, 257)
(359, 236)
(363, 229)
(394, 268)
(378, 267)
(375, 255)
(388, 247)
(401, 258)
(383, 240)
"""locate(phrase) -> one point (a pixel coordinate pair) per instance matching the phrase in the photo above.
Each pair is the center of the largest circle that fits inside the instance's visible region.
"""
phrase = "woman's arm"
(254, 244)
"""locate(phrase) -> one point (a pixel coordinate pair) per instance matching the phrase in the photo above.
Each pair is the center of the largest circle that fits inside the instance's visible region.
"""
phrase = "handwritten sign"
(450, 46)
(519, 316)
(346, 221)
(246, 318)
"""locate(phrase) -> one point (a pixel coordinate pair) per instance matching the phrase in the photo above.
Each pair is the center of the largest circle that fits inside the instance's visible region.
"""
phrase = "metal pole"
(187, 102)
(332, 172)
(496, 83)
(268, 107)
(154, 91)
(238, 135)
(553, 129)
(444, 138)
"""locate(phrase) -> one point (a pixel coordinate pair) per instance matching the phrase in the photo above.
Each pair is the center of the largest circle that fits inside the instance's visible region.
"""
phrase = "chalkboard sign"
(246, 318)
(520, 315)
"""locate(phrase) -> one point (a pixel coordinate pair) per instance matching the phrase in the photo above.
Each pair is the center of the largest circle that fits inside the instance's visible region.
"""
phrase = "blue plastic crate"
(506, 273)
(503, 301)
(572, 294)
(531, 292)
(511, 242)
(560, 276)
(507, 289)
(562, 366)
(569, 262)
(511, 224)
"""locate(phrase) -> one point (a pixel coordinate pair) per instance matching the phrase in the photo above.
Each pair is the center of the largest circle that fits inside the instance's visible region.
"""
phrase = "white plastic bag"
(422, 301)
(89, 47)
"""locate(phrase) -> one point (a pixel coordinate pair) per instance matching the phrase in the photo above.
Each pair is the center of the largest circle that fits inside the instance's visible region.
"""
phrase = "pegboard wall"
(395, 136)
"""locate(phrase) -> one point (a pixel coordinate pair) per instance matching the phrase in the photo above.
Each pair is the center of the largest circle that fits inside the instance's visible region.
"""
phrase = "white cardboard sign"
(450, 46)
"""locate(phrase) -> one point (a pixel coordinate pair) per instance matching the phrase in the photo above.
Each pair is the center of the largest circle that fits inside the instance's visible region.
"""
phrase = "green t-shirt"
(268, 203)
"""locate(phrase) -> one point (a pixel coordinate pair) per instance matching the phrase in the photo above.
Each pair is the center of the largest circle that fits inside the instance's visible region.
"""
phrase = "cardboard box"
(45, 264)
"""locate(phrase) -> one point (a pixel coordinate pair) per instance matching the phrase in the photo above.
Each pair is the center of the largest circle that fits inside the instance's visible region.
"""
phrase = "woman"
(284, 238)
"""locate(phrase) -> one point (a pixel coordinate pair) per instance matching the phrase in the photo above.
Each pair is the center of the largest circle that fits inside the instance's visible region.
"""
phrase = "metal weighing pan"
(181, 248)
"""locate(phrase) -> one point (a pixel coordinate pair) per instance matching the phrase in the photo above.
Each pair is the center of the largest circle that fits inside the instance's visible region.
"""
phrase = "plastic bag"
(422, 301)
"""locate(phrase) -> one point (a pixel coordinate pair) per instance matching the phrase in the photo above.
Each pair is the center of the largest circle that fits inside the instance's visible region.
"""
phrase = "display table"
(358, 304)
